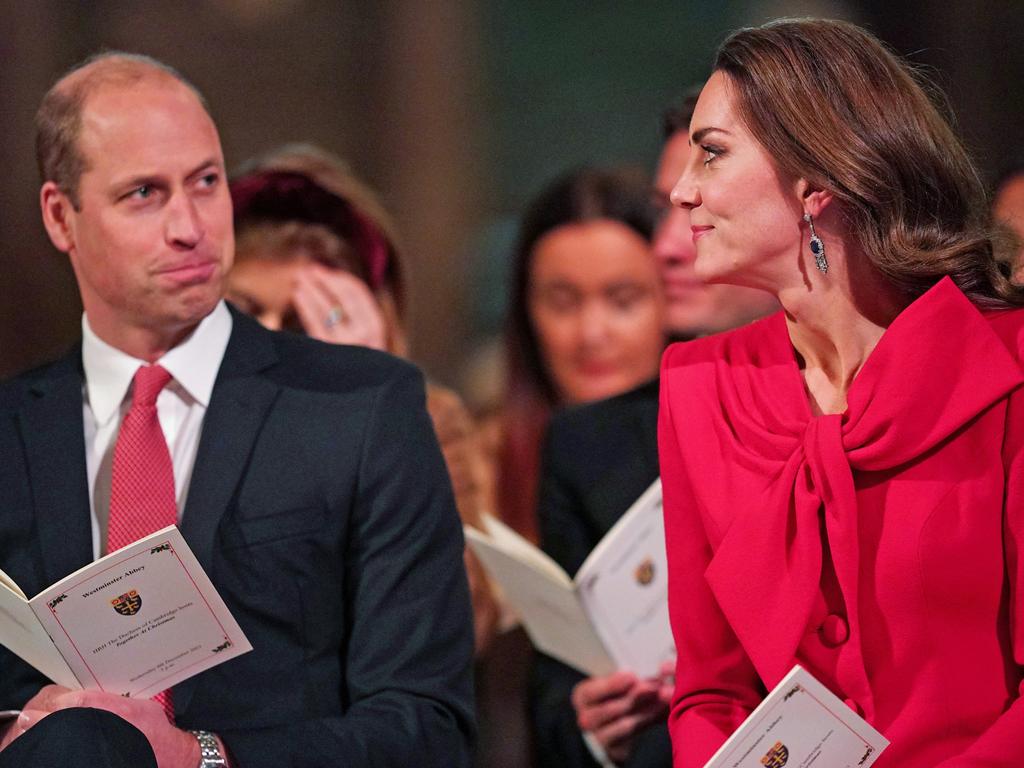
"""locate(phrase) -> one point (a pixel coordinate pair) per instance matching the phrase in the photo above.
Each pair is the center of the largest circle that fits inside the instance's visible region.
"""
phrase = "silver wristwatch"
(210, 755)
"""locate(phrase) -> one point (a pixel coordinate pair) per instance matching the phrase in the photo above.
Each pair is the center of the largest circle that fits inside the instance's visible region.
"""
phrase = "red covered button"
(834, 630)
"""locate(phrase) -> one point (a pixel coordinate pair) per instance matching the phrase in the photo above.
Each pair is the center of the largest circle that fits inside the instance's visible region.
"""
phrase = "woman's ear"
(813, 199)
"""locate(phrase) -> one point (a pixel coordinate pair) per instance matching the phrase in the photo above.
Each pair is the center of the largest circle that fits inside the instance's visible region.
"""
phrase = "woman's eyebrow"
(698, 136)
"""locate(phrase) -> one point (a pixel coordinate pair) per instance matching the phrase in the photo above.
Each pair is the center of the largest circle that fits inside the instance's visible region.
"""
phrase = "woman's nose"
(685, 194)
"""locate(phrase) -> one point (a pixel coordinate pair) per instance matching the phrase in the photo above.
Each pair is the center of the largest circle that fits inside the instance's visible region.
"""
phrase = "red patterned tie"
(142, 498)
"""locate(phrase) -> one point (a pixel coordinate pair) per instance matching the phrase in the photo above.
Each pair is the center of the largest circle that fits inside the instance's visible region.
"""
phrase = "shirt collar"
(193, 364)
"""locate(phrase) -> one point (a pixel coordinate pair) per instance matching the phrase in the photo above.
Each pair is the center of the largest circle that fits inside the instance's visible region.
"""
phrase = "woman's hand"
(339, 308)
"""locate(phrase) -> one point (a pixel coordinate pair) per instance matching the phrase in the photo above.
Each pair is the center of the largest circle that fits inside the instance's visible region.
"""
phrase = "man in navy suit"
(306, 476)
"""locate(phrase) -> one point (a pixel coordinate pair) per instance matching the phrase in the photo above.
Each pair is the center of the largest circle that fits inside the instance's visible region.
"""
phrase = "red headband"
(291, 196)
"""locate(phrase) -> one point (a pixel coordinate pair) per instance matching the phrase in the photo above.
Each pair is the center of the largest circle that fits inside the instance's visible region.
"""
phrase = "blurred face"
(152, 240)
(693, 308)
(1008, 208)
(596, 306)
(264, 288)
(745, 218)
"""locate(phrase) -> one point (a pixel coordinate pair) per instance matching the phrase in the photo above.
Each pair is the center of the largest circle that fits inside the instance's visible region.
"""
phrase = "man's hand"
(174, 748)
(616, 707)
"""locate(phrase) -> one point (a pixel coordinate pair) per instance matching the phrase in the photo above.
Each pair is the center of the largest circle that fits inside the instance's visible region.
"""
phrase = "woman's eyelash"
(710, 152)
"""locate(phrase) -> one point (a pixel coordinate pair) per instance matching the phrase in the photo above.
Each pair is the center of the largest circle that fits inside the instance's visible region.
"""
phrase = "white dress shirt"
(181, 406)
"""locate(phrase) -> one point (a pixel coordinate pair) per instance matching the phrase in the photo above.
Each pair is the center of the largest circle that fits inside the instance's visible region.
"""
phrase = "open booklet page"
(543, 596)
(133, 623)
(624, 587)
(614, 615)
(801, 723)
(23, 635)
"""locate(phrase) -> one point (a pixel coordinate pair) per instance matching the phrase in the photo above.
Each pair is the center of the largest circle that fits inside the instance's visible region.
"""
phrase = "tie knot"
(149, 380)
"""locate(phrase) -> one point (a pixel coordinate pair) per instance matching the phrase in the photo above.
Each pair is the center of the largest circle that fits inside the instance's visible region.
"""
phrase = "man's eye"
(142, 193)
(209, 179)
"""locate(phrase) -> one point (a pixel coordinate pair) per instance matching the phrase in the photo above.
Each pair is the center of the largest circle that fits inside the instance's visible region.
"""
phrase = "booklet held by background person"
(801, 723)
(613, 614)
(132, 623)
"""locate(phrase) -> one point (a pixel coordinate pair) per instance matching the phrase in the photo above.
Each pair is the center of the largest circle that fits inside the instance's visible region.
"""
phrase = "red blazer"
(880, 548)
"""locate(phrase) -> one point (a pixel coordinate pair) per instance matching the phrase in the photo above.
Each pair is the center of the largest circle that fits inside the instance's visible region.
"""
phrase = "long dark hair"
(830, 103)
(582, 195)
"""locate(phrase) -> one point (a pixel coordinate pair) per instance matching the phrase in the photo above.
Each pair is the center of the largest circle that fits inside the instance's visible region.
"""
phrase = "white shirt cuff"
(597, 751)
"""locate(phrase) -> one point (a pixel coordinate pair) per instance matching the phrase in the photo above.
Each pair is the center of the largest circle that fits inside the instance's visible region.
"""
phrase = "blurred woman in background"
(585, 320)
(317, 254)
(1008, 215)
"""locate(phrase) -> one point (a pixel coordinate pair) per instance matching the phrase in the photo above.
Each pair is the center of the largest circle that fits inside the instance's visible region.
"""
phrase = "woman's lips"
(698, 232)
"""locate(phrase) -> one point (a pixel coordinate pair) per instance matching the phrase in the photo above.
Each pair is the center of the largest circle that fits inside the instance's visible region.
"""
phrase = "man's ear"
(57, 216)
(814, 199)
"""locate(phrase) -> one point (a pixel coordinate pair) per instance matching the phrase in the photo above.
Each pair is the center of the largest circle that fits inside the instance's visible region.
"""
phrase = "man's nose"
(184, 224)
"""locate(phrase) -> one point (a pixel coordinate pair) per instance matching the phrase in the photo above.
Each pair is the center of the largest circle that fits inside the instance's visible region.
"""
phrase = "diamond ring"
(336, 316)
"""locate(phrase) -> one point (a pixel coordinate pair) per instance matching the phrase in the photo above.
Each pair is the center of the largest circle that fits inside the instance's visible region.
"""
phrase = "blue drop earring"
(817, 247)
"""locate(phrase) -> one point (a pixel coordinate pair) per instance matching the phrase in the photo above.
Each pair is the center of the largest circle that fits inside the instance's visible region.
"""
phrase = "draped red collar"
(935, 368)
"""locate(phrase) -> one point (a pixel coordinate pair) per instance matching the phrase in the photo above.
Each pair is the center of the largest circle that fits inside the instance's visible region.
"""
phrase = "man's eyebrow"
(698, 136)
(203, 166)
(142, 180)
(153, 179)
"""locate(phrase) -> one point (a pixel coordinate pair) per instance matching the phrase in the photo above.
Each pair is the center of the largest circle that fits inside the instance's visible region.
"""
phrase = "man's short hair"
(59, 119)
(677, 118)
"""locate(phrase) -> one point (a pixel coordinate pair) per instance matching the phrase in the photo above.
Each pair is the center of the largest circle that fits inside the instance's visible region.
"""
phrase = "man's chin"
(188, 312)
(690, 321)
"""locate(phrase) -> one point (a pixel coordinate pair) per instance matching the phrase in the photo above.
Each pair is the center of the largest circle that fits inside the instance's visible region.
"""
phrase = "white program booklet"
(801, 723)
(613, 614)
(133, 623)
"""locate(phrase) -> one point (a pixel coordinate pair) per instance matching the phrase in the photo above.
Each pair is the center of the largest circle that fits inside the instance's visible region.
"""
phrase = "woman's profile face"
(596, 307)
(745, 216)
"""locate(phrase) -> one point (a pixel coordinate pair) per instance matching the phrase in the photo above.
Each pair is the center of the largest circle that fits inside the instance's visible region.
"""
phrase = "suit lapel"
(636, 459)
(646, 417)
(238, 408)
(52, 429)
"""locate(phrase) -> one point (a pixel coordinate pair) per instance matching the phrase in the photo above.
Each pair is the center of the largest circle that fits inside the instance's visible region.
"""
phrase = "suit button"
(834, 630)
(854, 706)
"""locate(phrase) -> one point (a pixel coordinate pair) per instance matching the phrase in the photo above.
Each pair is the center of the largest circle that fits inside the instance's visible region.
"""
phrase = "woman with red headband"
(316, 254)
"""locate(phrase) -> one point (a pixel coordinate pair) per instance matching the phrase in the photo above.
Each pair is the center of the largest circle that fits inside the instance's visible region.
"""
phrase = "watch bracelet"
(210, 755)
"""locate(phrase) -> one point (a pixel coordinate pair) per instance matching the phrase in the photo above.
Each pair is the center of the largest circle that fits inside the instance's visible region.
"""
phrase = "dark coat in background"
(598, 459)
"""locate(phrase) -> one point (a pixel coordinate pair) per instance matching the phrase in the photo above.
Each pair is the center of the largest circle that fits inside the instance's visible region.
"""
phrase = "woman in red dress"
(844, 480)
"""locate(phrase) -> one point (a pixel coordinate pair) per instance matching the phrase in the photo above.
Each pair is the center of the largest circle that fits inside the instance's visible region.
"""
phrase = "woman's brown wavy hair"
(831, 104)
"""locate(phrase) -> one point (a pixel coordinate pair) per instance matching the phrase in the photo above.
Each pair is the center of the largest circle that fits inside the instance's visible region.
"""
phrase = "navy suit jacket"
(598, 459)
(321, 509)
